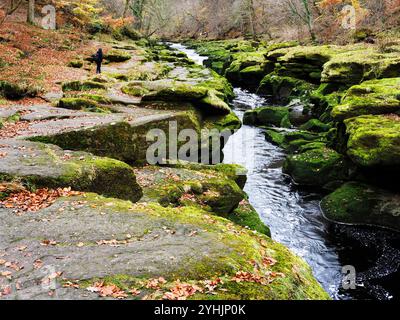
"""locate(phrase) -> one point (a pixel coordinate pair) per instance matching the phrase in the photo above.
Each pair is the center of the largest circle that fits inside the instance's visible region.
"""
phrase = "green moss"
(357, 203)
(95, 97)
(82, 85)
(315, 125)
(275, 137)
(245, 215)
(371, 97)
(115, 55)
(317, 167)
(212, 103)
(13, 91)
(246, 248)
(374, 140)
(283, 89)
(134, 90)
(76, 64)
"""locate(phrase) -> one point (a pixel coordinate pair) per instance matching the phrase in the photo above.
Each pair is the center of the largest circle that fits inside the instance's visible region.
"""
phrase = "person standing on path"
(99, 59)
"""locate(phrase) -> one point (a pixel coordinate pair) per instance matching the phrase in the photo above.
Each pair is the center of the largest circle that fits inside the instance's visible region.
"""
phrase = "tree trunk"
(127, 2)
(31, 12)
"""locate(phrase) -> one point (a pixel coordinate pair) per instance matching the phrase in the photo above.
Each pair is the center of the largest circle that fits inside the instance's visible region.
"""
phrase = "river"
(296, 221)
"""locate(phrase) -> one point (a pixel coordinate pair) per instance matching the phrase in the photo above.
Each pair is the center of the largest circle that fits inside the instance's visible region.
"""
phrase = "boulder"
(268, 116)
(37, 165)
(283, 89)
(115, 55)
(315, 125)
(371, 97)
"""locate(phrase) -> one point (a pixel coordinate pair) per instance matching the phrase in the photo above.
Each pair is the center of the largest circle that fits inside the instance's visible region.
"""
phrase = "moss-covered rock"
(51, 167)
(245, 215)
(118, 138)
(76, 64)
(82, 85)
(371, 97)
(360, 63)
(83, 104)
(374, 141)
(211, 188)
(248, 69)
(283, 89)
(184, 244)
(315, 125)
(362, 204)
(213, 103)
(116, 55)
(13, 91)
(318, 167)
(275, 137)
(275, 116)
(134, 90)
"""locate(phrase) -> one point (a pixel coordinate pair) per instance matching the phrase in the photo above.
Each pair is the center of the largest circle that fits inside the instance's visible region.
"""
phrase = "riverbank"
(85, 216)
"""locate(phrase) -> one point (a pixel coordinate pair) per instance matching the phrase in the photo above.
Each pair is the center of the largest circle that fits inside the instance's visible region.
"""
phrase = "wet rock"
(82, 85)
(38, 165)
(373, 141)
(116, 55)
(371, 97)
(315, 125)
(318, 167)
(84, 233)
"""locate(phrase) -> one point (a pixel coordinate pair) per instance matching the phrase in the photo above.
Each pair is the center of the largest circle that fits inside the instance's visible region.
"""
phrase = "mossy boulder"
(248, 68)
(82, 85)
(283, 89)
(361, 204)
(275, 137)
(134, 90)
(83, 104)
(275, 116)
(318, 167)
(116, 55)
(371, 97)
(245, 215)
(302, 62)
(213, 103)
(374, 141)
(185, 244)
(212, 188)
(315, 125)
(76, 64)
(13, 91)
(115, 137)
(37, 166)
(200, 95)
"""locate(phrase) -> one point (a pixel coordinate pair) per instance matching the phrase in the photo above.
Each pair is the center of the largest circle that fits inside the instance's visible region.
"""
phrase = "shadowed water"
(295, 218)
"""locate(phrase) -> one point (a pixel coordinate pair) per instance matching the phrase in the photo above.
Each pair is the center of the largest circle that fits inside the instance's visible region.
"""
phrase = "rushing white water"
(294, 216)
